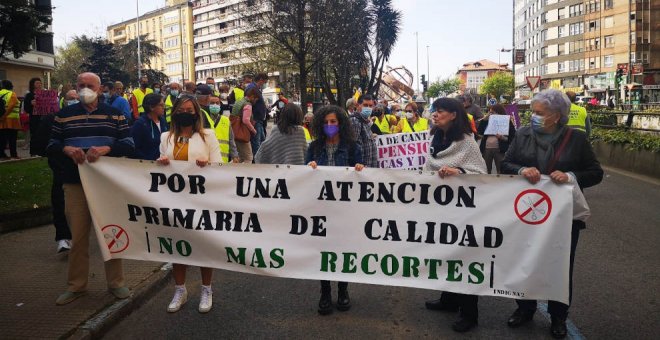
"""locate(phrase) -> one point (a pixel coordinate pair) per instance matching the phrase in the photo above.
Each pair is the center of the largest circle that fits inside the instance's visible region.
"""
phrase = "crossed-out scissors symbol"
(115, 238)
(533, 207)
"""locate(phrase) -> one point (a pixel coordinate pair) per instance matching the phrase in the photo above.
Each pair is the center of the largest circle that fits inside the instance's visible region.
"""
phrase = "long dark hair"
(461, 124)
(31, 83)
(290, 118)
(345, 131)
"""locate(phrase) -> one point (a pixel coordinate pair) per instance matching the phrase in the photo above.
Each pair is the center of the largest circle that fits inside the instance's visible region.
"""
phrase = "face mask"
(87, 96)
(366, 112)
(143, 85)
(224, 96)
(156, 91)
(184, 119)
(538, 122)
(409, 115)
(330, 130)
(72, 102)
(214, 108)
(106, 95)
(174, 93)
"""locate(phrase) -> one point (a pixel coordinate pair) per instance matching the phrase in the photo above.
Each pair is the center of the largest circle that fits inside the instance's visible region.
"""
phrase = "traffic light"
(425, 84)
(618, 79)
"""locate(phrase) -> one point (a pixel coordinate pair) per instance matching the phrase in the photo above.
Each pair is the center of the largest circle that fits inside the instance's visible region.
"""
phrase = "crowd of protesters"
(205, 123)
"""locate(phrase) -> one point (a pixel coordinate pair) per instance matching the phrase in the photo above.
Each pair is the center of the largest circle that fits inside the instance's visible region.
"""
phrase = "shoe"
(463, 325)
(439, 305)
(206, 300)
(180, 297)
(63, 246)
(68, 297)
(558, 328)
(120, 292)
(520, 317)
(343, 301)
(325, 304)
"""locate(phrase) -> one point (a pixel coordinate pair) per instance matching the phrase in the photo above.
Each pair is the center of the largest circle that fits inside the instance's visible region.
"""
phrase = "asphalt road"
(616, 292)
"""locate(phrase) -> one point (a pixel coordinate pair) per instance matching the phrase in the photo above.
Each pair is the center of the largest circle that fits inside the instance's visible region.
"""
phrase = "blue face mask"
(174, 93)
(537, 122)
(214, 108)
(330, 130)
(72, 102)
(366, 112)
(156, 91)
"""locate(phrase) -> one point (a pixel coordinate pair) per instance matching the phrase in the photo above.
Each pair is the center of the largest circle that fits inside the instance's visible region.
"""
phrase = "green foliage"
(500, 83)
(443, 87)
(20, 24)
(68, 64)
(632, 140)
(24, 184)
(603, 118)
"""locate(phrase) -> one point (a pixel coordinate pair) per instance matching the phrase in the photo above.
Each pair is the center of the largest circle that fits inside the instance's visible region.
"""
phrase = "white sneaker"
(206, 300)
(63, 246)
(180, 297)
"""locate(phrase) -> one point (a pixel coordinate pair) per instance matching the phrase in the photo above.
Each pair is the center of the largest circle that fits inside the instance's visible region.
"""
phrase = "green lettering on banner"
(410, 266)
(394, 265)
(453, 267)
(277, 258)
(328, 259)
(240, 258)
(349, 263)
(476, 270)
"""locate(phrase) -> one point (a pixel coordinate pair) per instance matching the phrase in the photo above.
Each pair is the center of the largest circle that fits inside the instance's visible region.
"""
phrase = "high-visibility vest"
(473, 126)
(238, 93)
(168, 108)
(308, 136)
(221, 133)
(383, 125)
(15, 113)
(577, 118)
(139, 97)
(421, 125)
(61, 103)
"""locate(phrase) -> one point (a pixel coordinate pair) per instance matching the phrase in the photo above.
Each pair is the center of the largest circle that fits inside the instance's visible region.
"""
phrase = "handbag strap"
(559, 151)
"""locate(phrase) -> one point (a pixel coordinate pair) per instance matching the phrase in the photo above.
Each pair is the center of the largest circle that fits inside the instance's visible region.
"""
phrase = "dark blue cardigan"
(147, 137)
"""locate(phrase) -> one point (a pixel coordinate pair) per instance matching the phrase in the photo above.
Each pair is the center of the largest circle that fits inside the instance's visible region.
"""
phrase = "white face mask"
(409, 115)
(224, 96)
(87, 96)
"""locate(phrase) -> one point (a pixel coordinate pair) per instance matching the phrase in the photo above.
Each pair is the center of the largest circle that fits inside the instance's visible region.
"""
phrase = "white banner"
(403, 150)
(474, 234)
(498, 124)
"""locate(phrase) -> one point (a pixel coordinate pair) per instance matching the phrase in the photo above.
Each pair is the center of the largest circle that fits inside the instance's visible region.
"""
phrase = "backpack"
(3, 105)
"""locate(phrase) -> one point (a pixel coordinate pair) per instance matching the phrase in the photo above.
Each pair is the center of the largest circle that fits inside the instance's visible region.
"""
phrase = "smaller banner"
(498, 125)
(513, 111)
(406, 151)
(46, 102)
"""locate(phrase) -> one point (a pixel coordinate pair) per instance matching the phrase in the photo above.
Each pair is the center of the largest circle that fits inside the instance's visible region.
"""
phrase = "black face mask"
(184, 119)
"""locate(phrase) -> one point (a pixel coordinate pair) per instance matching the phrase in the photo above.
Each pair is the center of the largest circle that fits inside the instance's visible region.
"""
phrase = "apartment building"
(170, 28)
(578, 44)
(473, 74)
(38, 62)
(223, 49)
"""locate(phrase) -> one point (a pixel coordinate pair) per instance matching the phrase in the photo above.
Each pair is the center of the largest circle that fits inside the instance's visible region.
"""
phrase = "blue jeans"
(258, 138)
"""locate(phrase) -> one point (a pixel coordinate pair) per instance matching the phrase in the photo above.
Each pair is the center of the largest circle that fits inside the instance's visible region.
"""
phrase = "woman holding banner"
(549, 147)
(454, 151)
(335, 146)
(286, 143)
(187, 140)
(493, 147)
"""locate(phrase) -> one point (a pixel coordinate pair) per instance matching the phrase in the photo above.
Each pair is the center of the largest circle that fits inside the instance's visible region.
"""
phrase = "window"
(544, 35)
(561, 13)
(593, 6)
(594, 44)
(608, 22)
(608, 60)
(543, 18)
(575, 65)
(609, 41)
(576, 46)
(592, 62)
(576, 28)
(173, 67)
(544, 52)
(172, 42)
(575, 10)
(561, 67)
(594, 25)
(560, 31)
(171, 29)
(544, 69)
(609, 4)
(560, 49)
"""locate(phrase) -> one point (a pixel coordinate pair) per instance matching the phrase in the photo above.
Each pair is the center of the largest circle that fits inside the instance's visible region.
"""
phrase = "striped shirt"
(74, 126)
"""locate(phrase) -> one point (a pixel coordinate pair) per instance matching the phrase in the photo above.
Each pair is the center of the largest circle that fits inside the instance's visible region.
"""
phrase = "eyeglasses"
(411, 111)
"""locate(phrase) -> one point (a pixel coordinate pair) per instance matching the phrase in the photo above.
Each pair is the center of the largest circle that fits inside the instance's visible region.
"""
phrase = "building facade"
(38, 62)
(473, 74)
(170, 28)
(223, 48)
(579, 44)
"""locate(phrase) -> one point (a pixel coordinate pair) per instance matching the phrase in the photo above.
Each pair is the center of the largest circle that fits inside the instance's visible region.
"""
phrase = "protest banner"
(45, 102)
(498, 125)
(406, 151)
(473, 234)
(513, 111)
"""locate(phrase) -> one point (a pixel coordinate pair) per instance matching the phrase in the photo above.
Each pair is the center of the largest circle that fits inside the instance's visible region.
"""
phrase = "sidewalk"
(32, 278)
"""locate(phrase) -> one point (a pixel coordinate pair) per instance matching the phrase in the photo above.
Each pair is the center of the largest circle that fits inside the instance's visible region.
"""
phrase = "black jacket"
(504, 144)
(578, 157)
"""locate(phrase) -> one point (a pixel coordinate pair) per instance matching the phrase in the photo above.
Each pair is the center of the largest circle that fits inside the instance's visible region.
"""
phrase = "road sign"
(637, 68)
(519, 57)
(533, 81)
(492, 101)
(116, 238)
(533, 206)
(623, 66)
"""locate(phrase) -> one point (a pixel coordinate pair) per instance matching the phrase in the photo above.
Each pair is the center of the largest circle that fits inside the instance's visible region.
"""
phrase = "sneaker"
(206, 300)
(180, 297)
(63, 246)
(120, 292)
(68, 297)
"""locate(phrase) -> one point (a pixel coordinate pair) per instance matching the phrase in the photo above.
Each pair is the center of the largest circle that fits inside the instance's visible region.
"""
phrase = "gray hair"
(350, 102)
(465, 98)
(96, 78)
(556, 102)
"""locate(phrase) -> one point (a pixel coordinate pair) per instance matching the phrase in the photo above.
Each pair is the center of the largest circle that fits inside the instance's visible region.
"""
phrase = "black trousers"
(556, 308)
(62, 231)
(326, 288)
(34, 129)
(8, 136)
(467, 304)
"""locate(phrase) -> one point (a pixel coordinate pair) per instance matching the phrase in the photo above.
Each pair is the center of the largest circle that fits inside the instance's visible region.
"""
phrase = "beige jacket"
(198, 149)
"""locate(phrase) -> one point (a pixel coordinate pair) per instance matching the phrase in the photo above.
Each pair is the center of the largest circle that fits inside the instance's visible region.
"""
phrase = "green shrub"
(632, 140)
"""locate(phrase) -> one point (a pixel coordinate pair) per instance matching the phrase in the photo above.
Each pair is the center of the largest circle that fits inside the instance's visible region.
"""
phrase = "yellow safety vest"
(61, 103)
(221, 134)
(577, 118)
(238, 93)
(168, 108)
(308, 136)
(421, 125)
(139, 97)
(15, 113)
(383, 125)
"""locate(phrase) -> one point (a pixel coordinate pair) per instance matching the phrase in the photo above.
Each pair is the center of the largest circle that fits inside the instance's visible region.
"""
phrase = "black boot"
(520, 317)
(464, 324)
(558, 328)
(343, 300)
(325, 303)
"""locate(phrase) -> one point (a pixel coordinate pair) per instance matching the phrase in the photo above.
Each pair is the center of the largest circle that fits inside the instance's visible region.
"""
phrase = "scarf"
(544, 144)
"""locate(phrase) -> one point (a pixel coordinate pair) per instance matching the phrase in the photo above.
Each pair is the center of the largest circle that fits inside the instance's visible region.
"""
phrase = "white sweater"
(198, 149)
(462, 154)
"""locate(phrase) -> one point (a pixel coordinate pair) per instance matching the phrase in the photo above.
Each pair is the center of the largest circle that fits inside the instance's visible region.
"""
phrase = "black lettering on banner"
(493, 237)
(299, 225)
(468, 235)
(366, 195)
(368, 228)
(327, 193)
(262, 188)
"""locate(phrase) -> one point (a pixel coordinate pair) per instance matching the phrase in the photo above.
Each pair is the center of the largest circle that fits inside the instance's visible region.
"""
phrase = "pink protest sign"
(46, 102)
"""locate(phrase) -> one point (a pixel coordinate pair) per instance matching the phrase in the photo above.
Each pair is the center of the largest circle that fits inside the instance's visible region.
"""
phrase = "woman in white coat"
(187, 140)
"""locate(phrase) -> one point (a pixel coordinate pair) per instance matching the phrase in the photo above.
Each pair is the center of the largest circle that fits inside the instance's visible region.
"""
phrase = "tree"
(68, 63)
(148, 51)
(385, 28)
(20, 24)
(443, 87)
(101, 58)
(497, 85)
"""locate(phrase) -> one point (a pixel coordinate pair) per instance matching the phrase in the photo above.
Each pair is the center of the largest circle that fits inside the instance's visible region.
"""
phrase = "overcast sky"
(455, 31)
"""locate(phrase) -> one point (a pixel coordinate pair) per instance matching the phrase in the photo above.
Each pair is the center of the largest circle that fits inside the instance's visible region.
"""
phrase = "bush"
(632, 140)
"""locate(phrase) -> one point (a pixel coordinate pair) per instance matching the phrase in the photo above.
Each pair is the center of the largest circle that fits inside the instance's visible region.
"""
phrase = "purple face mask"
(330, 130)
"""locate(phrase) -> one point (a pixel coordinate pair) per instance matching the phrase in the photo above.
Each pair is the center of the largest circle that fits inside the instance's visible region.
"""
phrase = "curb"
(101, 322)
(26, 219)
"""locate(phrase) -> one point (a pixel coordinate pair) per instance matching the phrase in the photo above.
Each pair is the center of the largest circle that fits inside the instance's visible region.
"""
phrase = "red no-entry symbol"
(116, 238)
(533, 206)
